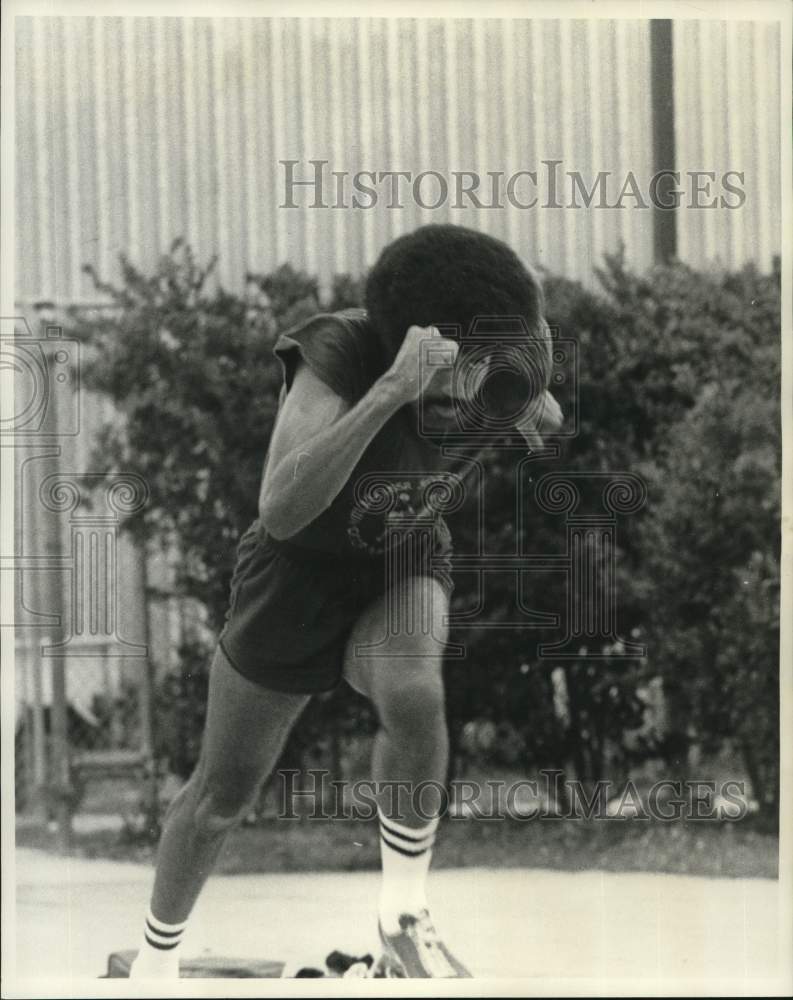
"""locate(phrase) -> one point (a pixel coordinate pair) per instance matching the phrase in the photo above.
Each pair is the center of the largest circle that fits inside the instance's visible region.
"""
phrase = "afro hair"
(447, 275)
(451, 276)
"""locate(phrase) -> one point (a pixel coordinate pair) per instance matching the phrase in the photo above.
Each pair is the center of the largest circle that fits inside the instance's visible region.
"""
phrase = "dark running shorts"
(291, 610)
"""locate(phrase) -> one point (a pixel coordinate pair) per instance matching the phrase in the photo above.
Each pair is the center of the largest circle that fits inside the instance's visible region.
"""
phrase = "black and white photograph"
(394, 574)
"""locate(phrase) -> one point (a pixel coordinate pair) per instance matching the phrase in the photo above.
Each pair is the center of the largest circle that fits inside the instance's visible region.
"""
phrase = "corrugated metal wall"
(727, 117)
(132, 131)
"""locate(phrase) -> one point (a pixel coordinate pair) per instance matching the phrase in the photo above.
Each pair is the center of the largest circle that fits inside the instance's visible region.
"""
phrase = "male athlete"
(356, 445)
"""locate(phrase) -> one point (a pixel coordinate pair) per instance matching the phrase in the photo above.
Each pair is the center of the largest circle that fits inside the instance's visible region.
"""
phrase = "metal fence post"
(60, 771)
(146, 703)
(38, 782)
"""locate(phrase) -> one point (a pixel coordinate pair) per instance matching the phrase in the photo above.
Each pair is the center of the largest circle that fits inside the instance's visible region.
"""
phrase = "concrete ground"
(540, 924)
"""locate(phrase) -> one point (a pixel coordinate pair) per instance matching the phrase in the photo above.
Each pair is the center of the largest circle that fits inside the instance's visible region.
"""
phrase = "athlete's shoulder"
(339, 347)
(349, 328)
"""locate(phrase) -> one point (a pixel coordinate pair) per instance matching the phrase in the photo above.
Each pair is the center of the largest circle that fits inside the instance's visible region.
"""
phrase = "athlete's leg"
(402, 676)
(246, 727)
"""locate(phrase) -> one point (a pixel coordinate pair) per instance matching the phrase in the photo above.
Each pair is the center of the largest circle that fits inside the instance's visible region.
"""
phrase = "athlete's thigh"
(401, 633)
(246, 724)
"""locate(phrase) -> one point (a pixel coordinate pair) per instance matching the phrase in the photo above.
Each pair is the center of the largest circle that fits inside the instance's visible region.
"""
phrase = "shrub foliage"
(677, 381)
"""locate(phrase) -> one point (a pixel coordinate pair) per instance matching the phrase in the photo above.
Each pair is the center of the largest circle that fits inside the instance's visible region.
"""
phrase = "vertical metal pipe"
(663, 105)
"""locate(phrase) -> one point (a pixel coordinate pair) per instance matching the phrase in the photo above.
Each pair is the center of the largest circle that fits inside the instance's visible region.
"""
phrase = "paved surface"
(509, 922)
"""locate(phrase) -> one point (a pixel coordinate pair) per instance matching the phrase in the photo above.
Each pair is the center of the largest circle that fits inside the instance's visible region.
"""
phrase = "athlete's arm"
(319, 438)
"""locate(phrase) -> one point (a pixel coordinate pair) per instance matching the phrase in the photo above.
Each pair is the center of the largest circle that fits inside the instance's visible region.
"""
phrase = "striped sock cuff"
(161, 935)
(409, 841)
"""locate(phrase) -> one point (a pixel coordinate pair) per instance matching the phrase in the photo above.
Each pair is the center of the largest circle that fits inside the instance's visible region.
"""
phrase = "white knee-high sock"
(406, 852)
(158, 955)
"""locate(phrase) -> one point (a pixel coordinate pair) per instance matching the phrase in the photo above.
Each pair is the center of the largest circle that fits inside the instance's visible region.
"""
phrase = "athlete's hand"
(409, 376)
(545, 417)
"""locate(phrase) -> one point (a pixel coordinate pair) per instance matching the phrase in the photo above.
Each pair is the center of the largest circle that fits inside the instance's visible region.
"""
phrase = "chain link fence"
(85, 627)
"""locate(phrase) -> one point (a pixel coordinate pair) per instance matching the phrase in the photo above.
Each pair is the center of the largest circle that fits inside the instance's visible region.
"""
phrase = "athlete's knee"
(412, 702)
(222, 800)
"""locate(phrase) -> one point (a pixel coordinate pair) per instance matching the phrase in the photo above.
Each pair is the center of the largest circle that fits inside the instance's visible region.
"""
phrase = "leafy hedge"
(678, 382)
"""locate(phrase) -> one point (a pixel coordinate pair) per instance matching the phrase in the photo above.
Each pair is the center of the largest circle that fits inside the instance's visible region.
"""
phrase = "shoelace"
(422, 932)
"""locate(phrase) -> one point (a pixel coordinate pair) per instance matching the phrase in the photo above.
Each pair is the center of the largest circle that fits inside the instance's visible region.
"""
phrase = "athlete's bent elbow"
(276, 521)
(287, 512)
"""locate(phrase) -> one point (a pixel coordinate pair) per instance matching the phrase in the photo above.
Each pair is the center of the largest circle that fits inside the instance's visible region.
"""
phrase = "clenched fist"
(408, 377)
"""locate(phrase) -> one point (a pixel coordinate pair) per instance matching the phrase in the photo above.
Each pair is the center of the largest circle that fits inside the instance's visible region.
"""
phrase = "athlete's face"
(509, 387)
(449, 387)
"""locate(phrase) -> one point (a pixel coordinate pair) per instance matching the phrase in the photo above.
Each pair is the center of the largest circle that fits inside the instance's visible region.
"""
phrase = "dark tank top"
(403, 482)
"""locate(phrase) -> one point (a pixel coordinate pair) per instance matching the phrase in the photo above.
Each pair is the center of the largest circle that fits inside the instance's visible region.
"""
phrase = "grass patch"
(738, 850)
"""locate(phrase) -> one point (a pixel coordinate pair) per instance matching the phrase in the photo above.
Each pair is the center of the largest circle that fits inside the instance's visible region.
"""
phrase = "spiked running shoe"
(417, 952)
